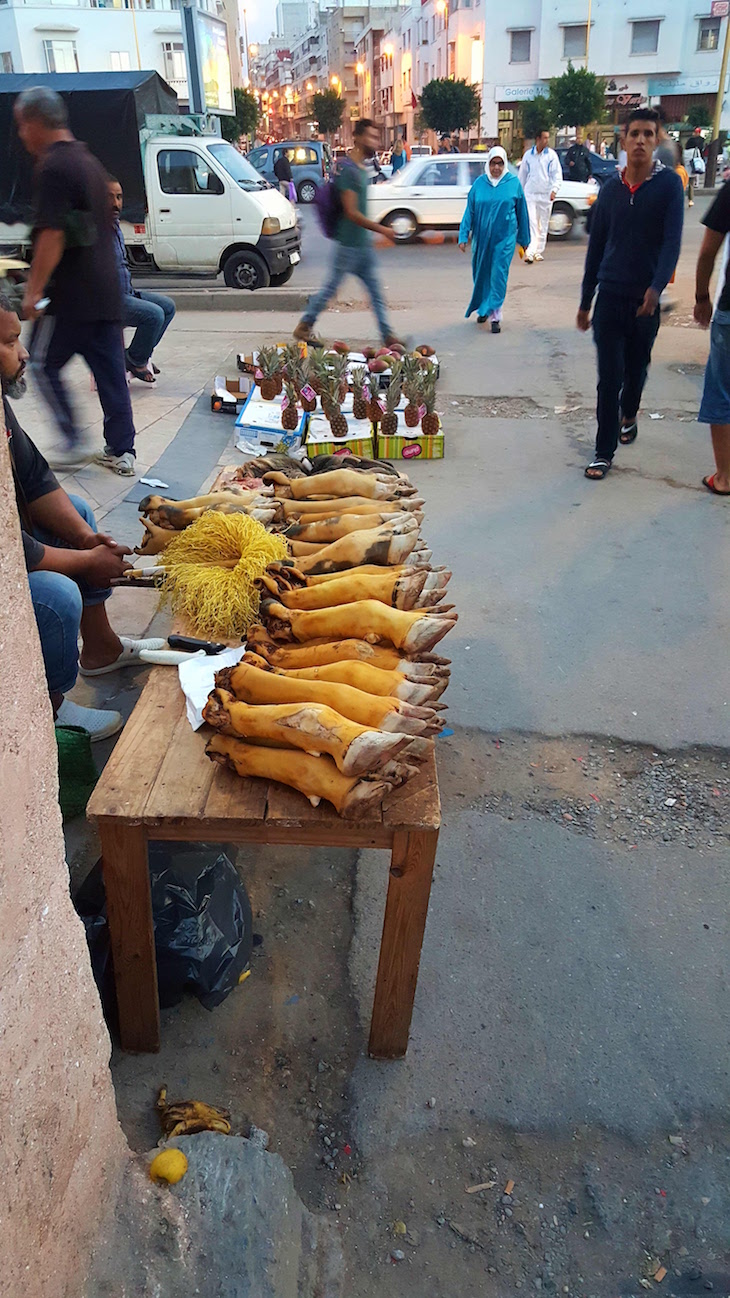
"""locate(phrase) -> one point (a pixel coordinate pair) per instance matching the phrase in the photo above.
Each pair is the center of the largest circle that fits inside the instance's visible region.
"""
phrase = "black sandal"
(602, 466)
(629, 434)
(142, 374)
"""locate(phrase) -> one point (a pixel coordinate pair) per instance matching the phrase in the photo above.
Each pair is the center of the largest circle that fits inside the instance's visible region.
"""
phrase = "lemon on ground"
(171, 1166)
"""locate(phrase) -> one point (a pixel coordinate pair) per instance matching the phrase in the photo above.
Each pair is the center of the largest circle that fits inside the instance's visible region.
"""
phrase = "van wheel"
(246, 270)
(307, 191)
(404, 226)
(282, 278)
(562, 218)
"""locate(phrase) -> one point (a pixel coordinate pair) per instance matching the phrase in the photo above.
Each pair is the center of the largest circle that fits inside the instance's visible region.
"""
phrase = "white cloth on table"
(197, 679)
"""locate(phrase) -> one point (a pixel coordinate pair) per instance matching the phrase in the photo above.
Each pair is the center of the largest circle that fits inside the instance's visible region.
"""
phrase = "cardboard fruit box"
(229, 394)
(359, 440)
(259, 425)
(410, 443)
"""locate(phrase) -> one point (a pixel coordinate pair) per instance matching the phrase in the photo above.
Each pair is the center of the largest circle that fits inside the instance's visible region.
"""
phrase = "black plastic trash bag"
(202, 917)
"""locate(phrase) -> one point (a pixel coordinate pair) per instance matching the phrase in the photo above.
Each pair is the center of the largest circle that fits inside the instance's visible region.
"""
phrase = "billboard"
(209, 66)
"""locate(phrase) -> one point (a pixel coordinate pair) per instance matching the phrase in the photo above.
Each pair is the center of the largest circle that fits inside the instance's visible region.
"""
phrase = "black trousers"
(101, 343)
(623, 343)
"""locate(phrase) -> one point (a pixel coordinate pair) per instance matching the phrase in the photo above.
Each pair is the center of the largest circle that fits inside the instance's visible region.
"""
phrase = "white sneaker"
(529, 258)
(539, 256)
(99, 724)
(121, 464)
(129, 657)
(73, 457)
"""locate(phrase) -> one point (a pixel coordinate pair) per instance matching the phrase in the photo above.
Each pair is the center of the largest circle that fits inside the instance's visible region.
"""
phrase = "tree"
(448, 105)
(327, 109)
(698, 115)
(245, 119)
(536, 116)
(577, 97)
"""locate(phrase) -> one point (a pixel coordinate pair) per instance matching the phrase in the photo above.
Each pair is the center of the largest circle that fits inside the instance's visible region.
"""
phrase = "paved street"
(572, 1010)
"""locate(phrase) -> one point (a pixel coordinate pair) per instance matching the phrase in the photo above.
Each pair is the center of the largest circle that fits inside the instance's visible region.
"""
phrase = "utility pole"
(720, 9)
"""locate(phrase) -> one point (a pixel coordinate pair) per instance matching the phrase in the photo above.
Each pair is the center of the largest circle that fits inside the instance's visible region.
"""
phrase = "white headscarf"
(496, 152)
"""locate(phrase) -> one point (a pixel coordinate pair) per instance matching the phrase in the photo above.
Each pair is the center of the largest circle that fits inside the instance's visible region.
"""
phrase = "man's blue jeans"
(151, 313)
(58, 603)
(359, 262)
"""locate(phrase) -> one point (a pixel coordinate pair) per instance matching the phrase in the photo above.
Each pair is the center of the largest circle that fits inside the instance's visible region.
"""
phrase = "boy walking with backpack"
(353, 247)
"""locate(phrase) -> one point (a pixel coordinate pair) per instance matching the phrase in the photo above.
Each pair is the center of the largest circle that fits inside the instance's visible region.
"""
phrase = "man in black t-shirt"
(74, 265)
(283, 173)
(715, 407)
(70, 564)
(578, 160)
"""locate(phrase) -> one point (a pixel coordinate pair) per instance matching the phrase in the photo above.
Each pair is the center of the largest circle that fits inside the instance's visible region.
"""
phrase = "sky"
(261, 17)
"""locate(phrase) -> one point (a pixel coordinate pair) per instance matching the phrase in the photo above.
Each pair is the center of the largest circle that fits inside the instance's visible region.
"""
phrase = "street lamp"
(310, 87)
(359, 68)
(336, 81)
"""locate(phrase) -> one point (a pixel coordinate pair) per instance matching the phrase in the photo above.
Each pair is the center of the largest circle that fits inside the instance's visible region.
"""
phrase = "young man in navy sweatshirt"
(636, 234)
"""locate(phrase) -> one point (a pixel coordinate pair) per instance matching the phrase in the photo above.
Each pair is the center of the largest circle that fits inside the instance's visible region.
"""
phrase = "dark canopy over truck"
(106, 110)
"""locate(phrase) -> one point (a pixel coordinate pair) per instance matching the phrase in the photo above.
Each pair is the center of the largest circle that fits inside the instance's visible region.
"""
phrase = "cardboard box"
(259, 427)
(229, 394)
(410, 444)
(359, 440)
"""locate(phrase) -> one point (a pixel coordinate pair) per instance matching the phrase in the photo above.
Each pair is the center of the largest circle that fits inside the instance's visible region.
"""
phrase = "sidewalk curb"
(231, 299)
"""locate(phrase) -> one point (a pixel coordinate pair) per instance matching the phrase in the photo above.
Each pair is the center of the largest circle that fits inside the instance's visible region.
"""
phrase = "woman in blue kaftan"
(497, 220)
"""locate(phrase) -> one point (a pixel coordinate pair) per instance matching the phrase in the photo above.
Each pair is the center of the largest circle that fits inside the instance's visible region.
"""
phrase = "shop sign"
(719, 8)
(683, 86)
(516, 93)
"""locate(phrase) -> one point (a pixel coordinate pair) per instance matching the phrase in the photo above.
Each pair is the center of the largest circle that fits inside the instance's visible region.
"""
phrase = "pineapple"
(318, 371)
(359, 400)
(430, 422)
(289, 413)
(331, 394)
(339, 368)
(269, 366)
(375, 412)
(303, 380)
(389, 425)
(413, 376)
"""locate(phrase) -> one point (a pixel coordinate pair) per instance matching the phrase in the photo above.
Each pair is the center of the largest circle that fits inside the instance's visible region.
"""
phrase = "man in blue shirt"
(151, 313)
(636, 235)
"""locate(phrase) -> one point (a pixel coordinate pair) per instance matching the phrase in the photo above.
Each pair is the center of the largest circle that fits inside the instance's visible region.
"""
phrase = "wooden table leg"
(409, 888)
(131, 932)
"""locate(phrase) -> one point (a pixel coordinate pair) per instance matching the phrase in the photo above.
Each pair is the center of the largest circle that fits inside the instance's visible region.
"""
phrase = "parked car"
(601, 168)
(430, 194)
(310, 164)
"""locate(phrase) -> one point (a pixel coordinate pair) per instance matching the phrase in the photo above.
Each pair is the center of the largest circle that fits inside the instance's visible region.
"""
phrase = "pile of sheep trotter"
(338, 693)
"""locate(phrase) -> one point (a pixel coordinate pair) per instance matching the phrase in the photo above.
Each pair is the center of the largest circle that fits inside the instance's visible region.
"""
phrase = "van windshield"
(237, 166)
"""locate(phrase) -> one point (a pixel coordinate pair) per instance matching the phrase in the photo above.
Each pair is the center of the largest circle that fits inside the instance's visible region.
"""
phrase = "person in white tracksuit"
(541, 177)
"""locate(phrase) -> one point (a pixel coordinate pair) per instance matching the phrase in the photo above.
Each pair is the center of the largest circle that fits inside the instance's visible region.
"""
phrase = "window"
(645, 37)
(119, 60)
(476, 169)
(709, 34)
(238, 167)
(257, 158)
(6, 61)
(175, 66)
(439, 173)
(520, 47)
(299, 156)
(183, 172)
(575, 41)
(61, 56)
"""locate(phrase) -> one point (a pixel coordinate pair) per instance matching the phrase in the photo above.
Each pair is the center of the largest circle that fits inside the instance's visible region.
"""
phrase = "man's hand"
(28, 311)
(552, 196)
(583, 321)
(103, 538)
(386, 232)
(703, 313)
(650, 303)
(463, 247)
(102, 565)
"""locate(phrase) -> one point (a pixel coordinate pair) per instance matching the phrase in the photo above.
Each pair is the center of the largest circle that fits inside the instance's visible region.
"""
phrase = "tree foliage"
(327, 109)
(577, 98)
(536, 116)
(245, 118)
(698, 115)
(448, 105)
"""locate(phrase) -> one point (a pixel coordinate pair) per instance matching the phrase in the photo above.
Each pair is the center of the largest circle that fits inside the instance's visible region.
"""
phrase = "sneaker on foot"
(121, 464)
(100, 724)
(539, 256)
(496, 327)
(529, 258)
(71, 457)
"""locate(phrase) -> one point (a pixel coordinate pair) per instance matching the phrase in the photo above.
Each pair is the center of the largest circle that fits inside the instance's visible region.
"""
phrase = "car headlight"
(271, 225)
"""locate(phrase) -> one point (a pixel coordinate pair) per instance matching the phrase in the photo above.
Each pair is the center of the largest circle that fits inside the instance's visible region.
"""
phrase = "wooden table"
(158, 784)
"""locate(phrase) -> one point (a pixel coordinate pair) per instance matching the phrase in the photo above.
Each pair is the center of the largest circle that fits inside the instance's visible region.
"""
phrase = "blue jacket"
(120, 252)
(635, 238)
(496, 218)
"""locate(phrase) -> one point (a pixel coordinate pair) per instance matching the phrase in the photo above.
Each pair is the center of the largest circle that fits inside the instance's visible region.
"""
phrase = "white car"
(430, 194)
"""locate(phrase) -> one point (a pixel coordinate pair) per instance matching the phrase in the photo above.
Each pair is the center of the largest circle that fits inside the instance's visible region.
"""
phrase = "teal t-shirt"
(354, 178)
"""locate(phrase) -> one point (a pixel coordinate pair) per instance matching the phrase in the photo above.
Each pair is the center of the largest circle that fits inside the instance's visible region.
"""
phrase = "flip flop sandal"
(629, 434)
(602, 465)
(710, 484)
(143, 375)
(154, 368)
(129, 657)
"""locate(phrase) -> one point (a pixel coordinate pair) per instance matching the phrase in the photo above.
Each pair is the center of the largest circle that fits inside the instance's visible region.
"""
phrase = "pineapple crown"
(331, 391)
(412, 368)
(428, 391)
(359, 377)
(373, 381)
(291, 391)
(291, 357)
(413, 387)
(337, 365)
(392, 394)
(318, 365)
(269, 362)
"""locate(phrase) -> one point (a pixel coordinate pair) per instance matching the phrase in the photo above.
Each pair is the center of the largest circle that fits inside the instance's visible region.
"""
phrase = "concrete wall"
(62, 1151)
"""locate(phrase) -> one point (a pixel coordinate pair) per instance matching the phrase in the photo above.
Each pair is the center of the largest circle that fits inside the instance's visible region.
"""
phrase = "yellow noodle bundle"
(218, 601)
